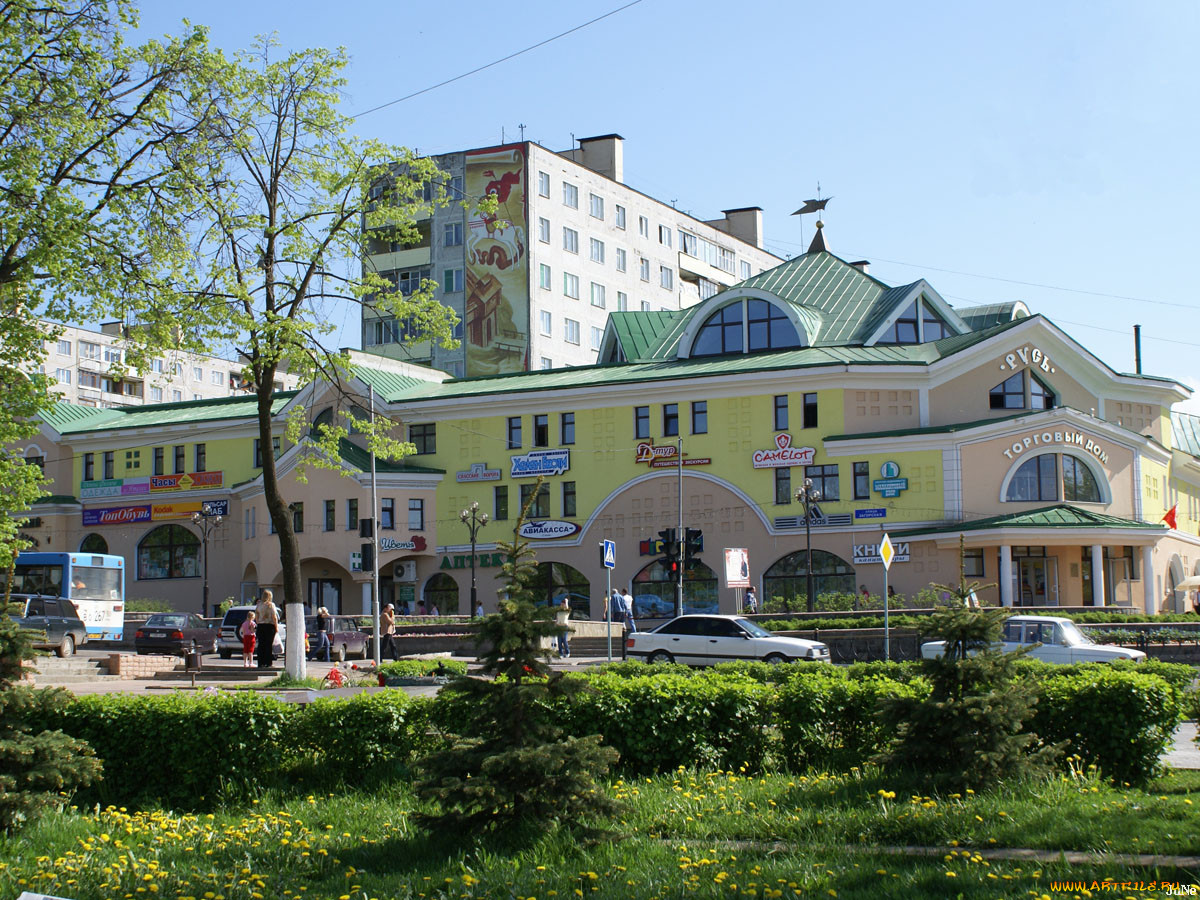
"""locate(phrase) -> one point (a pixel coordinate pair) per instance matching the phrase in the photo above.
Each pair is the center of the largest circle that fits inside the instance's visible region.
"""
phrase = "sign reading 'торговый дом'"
(1057, 438)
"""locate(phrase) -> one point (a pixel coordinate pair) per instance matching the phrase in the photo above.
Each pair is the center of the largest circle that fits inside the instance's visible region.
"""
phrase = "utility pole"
(680, 533)
(808, 497)
(374, 532)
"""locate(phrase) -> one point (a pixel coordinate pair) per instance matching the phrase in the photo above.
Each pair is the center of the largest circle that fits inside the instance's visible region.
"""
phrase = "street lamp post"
(207, 525)
(474, 520)
(808, 496)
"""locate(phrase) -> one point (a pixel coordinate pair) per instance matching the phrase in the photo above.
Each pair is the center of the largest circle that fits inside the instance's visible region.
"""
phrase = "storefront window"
(785, 584)
(654, 590)
(94, 543)
(169, 551)
(442, 590)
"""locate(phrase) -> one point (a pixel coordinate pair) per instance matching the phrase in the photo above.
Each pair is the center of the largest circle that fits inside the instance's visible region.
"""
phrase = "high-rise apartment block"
(570, 242)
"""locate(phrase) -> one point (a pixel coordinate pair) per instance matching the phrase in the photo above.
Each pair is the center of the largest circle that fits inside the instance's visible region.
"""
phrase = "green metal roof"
(1185, 432)
(361, 459)
(387, 384)
(55, 498)
(1060, 515)
(948, 428)
(989, 314)
(68, 421)
(642, 334)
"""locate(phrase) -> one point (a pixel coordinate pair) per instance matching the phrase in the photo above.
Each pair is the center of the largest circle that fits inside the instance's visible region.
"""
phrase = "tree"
(512, 766)
(285, 204)
(93, 135)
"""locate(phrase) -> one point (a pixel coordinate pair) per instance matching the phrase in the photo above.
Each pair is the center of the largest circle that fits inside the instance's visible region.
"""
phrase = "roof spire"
(818, 241)
(814, 206)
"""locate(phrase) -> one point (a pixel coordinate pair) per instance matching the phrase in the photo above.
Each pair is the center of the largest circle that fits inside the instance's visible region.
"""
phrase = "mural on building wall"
(497, 283)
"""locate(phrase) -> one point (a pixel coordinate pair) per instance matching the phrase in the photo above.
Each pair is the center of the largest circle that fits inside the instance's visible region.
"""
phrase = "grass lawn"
(691, 834)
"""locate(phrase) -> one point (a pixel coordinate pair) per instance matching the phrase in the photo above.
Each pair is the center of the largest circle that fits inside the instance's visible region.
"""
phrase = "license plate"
(160, 634)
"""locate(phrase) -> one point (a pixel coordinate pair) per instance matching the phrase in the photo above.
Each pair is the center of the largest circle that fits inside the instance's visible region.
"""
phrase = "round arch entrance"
(555, 579)
(441, 591)
(93, 543)
(654, 590)
(785, 583)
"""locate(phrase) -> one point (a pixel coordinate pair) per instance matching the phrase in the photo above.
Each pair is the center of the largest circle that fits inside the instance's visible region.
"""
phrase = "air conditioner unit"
(405, 571)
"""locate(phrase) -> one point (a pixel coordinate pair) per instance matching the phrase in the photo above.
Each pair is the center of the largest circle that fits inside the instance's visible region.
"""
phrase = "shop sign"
(540, 462)
(482, 561)
(478, 472)
(1027, 356)
(547, 529)
(214, 508)
(783, 454)
(876, 513)
(387, 545)
(665, 456)
(95, 490)
(1049, 438)
(737, 567)
(116, 515)
(185, 482)
(890, 485)
(869, 553)
(355, 561)
(166, 511)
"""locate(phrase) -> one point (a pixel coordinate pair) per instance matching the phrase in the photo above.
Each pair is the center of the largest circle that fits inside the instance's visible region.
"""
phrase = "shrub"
(421, 668)
(357, 733)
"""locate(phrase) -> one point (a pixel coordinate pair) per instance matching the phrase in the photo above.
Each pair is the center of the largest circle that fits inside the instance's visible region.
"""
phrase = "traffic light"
(693, 544)
(368, 557)
(668, 540)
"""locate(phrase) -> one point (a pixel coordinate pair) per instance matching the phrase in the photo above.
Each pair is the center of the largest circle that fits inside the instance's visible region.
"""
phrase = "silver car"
(705, 640)
(230, 643)
(1053, 639)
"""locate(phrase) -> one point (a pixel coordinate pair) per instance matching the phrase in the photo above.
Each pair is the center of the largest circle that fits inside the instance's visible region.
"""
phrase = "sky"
(1031, 151)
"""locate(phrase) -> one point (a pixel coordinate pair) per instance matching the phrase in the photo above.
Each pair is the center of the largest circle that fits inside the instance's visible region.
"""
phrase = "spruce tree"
(37, 767)
(511, 765)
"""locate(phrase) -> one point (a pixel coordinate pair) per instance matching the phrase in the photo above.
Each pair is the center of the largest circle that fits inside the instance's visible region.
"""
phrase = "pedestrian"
(387, 631)
(324, 623)
(1196, 602)
(891, 592)
(246, 633)
(616, 607)
(562, 614)
(751, 601)
(627, 600)
(433, 610)
(266, 614)
(420, 607)
(479, 609)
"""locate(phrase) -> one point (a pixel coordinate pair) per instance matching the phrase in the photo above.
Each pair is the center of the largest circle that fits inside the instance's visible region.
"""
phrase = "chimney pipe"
(1137, 348)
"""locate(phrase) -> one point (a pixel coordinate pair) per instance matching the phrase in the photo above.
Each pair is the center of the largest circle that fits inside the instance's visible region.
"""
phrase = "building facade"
(570, 243)
(986, 429)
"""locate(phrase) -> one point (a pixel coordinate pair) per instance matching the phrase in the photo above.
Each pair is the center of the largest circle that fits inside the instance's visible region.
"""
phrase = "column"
(1006, 573)
(366, 599)
(1097, 575)
(1149, 596)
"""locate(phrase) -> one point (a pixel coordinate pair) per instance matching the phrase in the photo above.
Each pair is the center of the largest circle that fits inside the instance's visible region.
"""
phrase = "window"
(904, 329)
(543, 191)
(1036, 479)
(567, 428)
(200, 456)
(424, 437)
(622, 301)
(644, 269)
(825, 480)
(973, 562)
(670, 413)
(452, 234)
(297, 509)
(810, 411)
(708, 288)
(570, 240)
(408, 281)
(1040, 396)
(539, 507)
(258, 451)
(62, 376)
(180, 459)
(455, 187)
(544, 230)
(217, 377)
(547, 321)
(64, 347)
(387, 514)
(159, 462)
(112, 355)
(541, 430)
(91, 380)
(452, 280)
(700, 417)
(644, 305)
(597, 251)
(568, 499)
(1008, 394)
(156, 366)
(89, 467)
(169, 551)
(500, 502)
(641, 422)
(176, 396)
(88, 350)
(571, 285)
(330, 515)
(597, 337)
(643, 226)
(932, 326)
(544, 276)
(744, 270)
(1079, 484)
(570, 331)
(664, 235)
(666, 277)
(570, 195)
(595, 206)
(156, 394)
(781, 412)
(862, 481)
(352, 514)
(622, 260)
(514, 432)
(197, 373)
(783, 486)
(416, 515)
(619, 214)
(109, 464)
(598, 295)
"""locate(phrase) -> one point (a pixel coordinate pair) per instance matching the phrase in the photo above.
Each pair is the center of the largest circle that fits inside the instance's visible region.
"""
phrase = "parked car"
(55, 620)
(704, 640)
(346, 638)
(228, 641)
(1053, 639)
(175, 634)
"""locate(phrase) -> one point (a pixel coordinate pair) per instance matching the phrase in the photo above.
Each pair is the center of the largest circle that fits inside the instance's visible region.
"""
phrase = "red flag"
(1169, 518)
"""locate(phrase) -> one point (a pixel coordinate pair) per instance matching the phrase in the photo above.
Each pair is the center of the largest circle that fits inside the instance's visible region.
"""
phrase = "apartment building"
(87, 367)
(534, 284)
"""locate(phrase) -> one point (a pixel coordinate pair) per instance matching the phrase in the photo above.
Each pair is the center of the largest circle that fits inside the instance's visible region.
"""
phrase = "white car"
(704, 640)
(1060, 641)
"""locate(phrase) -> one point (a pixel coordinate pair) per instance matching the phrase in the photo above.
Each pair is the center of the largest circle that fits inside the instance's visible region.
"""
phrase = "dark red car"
(176, 634)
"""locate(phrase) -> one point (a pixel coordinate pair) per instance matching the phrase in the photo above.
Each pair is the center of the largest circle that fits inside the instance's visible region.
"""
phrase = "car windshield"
(166, 622)
(1072, 636)
(755, 630)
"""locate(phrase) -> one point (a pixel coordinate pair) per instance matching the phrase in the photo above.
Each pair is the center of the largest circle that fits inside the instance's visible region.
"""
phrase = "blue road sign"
(609, 554)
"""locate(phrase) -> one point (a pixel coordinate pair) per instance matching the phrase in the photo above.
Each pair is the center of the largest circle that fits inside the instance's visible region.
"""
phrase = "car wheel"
(67, 647)
(660, 656)
(340, 653)
(776, 658)
(225, 654)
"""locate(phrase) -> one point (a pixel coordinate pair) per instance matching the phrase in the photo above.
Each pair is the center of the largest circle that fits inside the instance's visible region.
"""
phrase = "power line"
(497, 62)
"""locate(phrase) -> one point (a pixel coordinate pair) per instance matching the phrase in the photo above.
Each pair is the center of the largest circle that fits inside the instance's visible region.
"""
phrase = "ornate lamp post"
(808, 497)
(474, 520)
(207, 525)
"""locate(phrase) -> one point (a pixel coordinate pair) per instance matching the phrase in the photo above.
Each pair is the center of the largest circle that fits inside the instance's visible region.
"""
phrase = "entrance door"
(1036, 581)
(325, 592)
(1118, 587)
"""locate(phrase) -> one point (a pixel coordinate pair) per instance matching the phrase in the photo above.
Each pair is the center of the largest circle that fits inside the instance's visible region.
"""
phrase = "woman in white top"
(267, 614)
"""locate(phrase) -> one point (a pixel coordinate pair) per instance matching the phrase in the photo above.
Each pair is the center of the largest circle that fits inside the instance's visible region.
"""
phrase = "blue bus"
(94, 582)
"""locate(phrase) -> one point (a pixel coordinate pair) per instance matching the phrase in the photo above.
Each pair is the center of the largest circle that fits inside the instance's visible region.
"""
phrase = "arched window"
(1038, 480)
(654, 590)
(442, 590)
(93, 543)
(555, 579)
(787, 579)
(169, 551)
(745, 326)
(1011, 393)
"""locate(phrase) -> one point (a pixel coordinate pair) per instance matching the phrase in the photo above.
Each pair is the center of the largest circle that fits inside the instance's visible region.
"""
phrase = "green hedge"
(354, 734)
(420, 668)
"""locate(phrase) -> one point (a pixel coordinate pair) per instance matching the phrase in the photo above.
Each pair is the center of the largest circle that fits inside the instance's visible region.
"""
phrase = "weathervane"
(813, 206)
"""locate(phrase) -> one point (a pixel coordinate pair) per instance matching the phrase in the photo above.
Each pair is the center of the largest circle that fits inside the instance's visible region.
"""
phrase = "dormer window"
(918, 323)
(1011, 393)
(745, 326)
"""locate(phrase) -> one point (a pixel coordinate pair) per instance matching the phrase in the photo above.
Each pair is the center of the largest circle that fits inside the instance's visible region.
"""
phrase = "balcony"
(401, 259)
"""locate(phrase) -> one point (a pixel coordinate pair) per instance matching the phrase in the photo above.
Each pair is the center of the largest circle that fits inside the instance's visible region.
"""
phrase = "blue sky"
(1023, 151)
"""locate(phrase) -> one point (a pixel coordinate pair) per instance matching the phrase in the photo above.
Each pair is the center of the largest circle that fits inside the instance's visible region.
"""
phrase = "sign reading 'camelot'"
(1052, 438)
(784, 454)
(540, 462)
